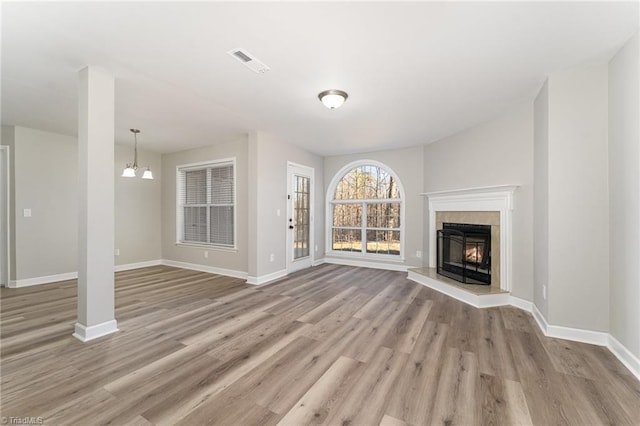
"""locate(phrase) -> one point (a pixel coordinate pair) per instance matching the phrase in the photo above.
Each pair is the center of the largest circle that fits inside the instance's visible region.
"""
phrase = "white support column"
(96, 298)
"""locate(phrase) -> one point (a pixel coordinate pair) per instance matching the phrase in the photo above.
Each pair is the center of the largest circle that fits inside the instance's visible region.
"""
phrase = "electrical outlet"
(116, 252)
(544, 292)
(272, 257)
(316, 247)
(278, 212)
(206, 254)
(419, 254)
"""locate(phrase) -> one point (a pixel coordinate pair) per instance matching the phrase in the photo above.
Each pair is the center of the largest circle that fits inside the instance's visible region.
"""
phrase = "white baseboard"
(540, 319)
(47, 279)
(624, 355)
(126, 267)
(317, 262)
(43, 280)
(560, 332)
(84, 333)
(599, 338)
(204, 268)
(264, 279)
(137, 265)
(525, 305)
(366, 264)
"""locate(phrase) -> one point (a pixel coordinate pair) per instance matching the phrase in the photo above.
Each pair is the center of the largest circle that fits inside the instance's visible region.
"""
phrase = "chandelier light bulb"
(131, 168)
(147, 174)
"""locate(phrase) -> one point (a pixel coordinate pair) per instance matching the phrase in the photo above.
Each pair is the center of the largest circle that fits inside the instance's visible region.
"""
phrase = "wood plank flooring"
(330, 345)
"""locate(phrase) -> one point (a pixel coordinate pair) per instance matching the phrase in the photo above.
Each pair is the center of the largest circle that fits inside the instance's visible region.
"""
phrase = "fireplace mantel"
(490, 198)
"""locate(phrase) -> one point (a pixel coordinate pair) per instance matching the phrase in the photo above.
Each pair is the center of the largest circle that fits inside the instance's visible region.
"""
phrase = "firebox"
(464, 252)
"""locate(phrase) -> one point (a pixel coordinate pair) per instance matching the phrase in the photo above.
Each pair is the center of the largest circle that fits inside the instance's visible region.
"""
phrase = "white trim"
(359, 257)
(331, 189)
(86, 333)
(366, 264)
(7, 176)
(48, 279)
(483, 301)
(457, 193)
(540, 319)
(137, 265)
(624, 355)
(27, 282)
(599, 338)
(126, 267)
(491, 198)
(319, 261)
(180, 213)
(292, 264)
(208, 247)
(204, 268)
(264, 279)
(525, 305)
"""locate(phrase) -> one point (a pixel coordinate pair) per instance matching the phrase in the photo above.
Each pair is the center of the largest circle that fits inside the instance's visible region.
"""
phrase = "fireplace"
(464, 252)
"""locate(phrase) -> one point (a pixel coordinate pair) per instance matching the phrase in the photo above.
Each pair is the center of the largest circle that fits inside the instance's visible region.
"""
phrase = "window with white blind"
(206, 203)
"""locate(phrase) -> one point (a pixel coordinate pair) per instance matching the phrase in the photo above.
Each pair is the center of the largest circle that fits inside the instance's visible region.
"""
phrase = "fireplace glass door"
(464, 253)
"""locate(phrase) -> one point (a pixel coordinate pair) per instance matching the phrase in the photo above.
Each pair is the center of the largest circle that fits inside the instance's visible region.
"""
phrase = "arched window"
(365, 211)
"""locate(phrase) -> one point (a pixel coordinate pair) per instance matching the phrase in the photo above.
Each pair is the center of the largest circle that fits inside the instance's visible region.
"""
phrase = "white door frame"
(5, 251)
(301, 170)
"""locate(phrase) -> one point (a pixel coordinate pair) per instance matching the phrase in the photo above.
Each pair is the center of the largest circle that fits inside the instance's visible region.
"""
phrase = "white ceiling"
(415, 72)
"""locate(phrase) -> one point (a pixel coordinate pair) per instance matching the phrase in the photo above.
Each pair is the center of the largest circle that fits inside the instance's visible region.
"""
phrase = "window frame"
(331, 201)
(181, 168)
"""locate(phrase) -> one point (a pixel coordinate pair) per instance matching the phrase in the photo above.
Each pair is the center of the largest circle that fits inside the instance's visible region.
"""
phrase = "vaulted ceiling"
(414, 72)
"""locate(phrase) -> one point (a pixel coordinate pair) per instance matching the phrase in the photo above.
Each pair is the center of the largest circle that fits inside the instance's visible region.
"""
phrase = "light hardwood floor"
(332, 345)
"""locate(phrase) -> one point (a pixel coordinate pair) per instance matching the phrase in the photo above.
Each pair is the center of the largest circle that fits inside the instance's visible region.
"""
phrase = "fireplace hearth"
(464, 253)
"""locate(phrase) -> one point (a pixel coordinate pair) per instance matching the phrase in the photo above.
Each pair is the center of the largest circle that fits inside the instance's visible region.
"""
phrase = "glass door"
(300, 237)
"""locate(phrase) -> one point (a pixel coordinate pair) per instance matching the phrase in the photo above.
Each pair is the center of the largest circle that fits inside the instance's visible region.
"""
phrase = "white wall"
(230, 260)
(541, 198)
(45, 180)
(624, 196)
(578, 286)
(268, 179)
(499, 152)
(407, 164)
(137, 208)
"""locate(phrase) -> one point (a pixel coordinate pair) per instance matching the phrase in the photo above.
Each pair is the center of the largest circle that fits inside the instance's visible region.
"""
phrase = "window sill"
(388, 258)
(208, 247)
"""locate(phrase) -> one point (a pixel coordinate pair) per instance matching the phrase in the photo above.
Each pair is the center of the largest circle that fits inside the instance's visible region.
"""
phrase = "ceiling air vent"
(250, 61)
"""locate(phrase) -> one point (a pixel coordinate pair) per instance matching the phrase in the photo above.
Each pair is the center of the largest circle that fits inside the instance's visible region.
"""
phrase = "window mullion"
(364, 227)
(209, 191)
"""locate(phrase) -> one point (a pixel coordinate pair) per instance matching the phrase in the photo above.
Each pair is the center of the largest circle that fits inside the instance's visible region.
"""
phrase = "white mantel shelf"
(490, 198)
(465, 193)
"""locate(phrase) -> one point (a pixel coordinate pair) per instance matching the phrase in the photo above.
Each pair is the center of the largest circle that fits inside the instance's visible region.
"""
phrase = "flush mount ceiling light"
(333, 99)
(131, 168)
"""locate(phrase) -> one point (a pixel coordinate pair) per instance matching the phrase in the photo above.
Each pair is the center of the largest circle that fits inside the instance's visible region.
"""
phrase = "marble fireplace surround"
(486, 199)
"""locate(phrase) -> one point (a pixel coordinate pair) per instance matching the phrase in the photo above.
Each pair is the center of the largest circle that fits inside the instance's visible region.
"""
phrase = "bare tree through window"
(366, 212)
